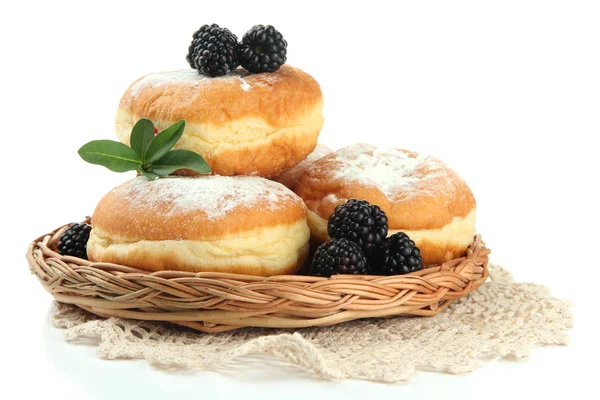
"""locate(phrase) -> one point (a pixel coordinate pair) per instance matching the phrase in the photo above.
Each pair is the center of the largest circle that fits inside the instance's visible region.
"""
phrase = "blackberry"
(398, 255)
(360, 222)
(263, 49)
(213, 50)
(74, 241)
(339, 256)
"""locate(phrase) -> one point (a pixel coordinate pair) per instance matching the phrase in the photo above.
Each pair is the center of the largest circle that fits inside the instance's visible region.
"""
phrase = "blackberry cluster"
(339, 256)
(74, 241)
(359, 244)
(358, 221)
(263, 49)
(213, 50)
(398, 255)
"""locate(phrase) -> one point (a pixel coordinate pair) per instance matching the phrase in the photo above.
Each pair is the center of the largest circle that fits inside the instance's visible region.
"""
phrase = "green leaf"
(178, 159)
(141, 136)
(164, 141)
(113, 155)
(149, 175)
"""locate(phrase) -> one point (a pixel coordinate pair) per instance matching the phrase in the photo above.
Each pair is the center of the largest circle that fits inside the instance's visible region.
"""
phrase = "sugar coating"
(194, 78)
(391, 171)
(216, 195)
(245, 86)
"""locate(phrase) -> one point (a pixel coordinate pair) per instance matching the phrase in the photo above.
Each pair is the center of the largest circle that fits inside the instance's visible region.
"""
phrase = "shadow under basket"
(216, 302)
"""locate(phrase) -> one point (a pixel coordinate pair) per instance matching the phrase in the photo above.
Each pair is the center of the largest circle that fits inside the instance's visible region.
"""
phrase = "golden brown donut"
(244, 225)
(290, 177)
(241, 123)
(420, 195)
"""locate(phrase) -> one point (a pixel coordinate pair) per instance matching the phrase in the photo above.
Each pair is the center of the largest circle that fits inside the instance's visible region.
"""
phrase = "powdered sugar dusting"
(245, 86)
(389, 170)
(187, 77)
(216, 195)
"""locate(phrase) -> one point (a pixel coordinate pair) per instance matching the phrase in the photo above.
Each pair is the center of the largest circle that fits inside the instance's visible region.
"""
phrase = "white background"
(506, 92)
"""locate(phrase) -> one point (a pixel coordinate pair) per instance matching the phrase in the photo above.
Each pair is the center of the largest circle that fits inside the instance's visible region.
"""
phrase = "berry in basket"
(339, 256)
(359, 230)
(74, 241)
(358, 221)
(397, 255)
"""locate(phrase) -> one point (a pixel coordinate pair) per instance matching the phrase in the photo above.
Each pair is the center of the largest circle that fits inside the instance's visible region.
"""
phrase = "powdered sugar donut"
(241, 123)
(290, 177)
(421, 196)
(245, 225)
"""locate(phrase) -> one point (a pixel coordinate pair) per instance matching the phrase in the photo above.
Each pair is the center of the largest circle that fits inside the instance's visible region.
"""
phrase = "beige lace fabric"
(501, 319)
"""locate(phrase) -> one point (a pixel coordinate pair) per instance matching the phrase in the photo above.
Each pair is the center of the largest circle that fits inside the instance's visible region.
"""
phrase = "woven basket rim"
(217, 301)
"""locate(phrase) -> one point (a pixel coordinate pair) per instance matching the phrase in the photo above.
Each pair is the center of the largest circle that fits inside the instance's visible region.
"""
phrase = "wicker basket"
(215, 302)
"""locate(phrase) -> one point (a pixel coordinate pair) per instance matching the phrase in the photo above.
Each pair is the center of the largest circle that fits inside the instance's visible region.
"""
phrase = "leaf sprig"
(149, 154)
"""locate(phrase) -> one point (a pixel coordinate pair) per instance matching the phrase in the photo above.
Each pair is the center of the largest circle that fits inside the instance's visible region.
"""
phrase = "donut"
(290, 177)
(420, 195)
(242, 225)
(241, 123)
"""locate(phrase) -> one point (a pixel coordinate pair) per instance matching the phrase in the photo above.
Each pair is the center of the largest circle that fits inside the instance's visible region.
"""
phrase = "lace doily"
(501, 319)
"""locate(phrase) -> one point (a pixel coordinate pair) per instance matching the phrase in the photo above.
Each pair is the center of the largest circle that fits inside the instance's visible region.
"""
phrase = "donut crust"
(435, 205)
(242, 124)
(160, 225)
(291, 177)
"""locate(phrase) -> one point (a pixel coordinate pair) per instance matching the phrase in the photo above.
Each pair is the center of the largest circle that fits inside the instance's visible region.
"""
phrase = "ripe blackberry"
(263, 49)
(358, 221)
(74, 241)
(398, 255)
(339, 256)
(213, 50)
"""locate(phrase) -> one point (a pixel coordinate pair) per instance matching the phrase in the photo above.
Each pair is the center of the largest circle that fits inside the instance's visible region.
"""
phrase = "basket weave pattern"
(215, 302)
